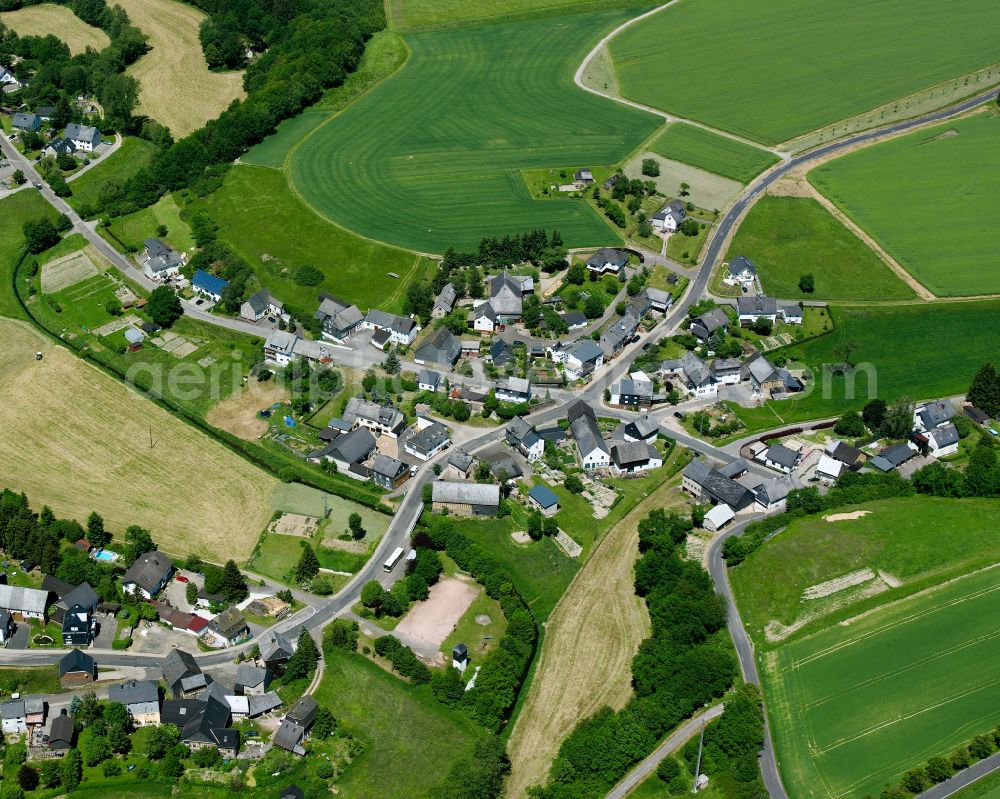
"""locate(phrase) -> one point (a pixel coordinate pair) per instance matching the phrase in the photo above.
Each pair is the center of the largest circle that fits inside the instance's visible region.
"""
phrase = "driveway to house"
(105, 155)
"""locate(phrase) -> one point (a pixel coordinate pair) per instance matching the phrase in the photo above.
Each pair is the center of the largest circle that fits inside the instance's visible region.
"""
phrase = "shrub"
(306, 275)
(650, 167)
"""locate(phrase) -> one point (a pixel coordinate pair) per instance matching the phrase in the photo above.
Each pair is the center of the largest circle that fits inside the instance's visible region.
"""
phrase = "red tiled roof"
(197, 624)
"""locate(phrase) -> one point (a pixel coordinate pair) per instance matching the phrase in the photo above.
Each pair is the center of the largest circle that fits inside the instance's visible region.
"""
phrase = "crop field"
(411, 740)
(268, 225)
(770, 72)
(176, 86)
(917, 541)
(586, 656)
(425, 13)
(855, 706)
(454, 132)
(928, 201)
(133, 155)
(787, 237)
(698, 147)
(79, 441)
(59, 21)
(885, 340)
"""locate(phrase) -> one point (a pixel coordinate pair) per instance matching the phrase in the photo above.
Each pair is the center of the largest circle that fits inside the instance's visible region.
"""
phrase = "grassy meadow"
(263, 220)
(59, 21)
(918, 540)
(176, 86)
(854, 707)
(787, 237)
(454, 130)
(770, 71)
(133, 155)
(15, 210)
(77, 440)
(927, 199)
(920, 351)
(450, 13)
(710, 151)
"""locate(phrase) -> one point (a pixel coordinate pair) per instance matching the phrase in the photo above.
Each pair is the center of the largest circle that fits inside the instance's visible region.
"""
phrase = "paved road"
(675, 741)
(963, 779)
(745, 651)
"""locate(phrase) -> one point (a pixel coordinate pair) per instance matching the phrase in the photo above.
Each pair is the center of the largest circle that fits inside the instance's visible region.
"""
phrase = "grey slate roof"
(249, 675)
(14, 709)
(289, 736)
(430, 438)
(440, 347)
(695, 369)
(263, 703)
(61, 731)
(83, 133)
(758, 305)
(717, 485)
(734, 468)
(608, 255)
(710, 321)
(148, 570)
(16, 598)
(505, 295)
(83, 595)
(446, 299)
(275, 645)
(460, 459)
(936, 413)
(761, 369)
(624, 453)
(782, 455)
(544, 496)
(134, 692)
(177, 665)
(429, 377)
(388, 466)
(460, 493)
(76, 661)
(898, 454)
(741, 263)
(945, 436)
(643, 427)
(583, 424)
(586, 351)
(352, 447)
(229, 623)
(501, 352)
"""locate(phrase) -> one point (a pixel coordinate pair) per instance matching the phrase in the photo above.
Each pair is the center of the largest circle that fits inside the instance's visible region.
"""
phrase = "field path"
(177, 88)
(586, 658)
(600, 47)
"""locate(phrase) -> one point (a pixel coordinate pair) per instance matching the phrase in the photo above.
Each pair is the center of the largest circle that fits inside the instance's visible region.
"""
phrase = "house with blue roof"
(209, 285)
(544, 499)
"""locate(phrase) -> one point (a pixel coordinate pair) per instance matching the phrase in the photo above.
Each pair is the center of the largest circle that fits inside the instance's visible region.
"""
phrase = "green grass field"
(454, 131)
(135, 228)
(259, 216)
(770, 71)
(426, 13)
(928, 201)
(790, 236)
(853, 707)
(921, 351)
(919, 540)
(133, 155)
(14, 212)
(411, 740)
(712, 152)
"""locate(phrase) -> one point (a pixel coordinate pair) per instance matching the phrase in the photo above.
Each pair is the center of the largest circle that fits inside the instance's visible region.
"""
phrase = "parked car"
(181, 578)
(679, 414)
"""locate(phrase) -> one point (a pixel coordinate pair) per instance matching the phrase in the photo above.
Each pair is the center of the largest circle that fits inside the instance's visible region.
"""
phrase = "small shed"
(545, 499)
(718, 517)
(134, 336)
(460, 657)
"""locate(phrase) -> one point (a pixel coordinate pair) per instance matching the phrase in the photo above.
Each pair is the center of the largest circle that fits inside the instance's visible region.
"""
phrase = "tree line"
(686, 662)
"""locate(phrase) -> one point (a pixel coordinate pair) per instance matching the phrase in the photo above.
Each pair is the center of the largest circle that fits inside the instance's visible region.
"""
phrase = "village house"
(208, 285)
(513, 389)
(590, 444)
(851, 457)
(618, 333)
(440, 348)
(501, 353)
(61, 733)
(338, 319)
(13, 717)
(645, 428)
(275, 649)
(702, 327)
(828, 469)
(696, 377)
(160, 261)
(772, 494)
(632, 392)
(791, 314)
(261, 304)
(296, 724)
(633, 457)
(543, 499)
(382, 420)
(780, 458)
(483, 318)
(230, 627)
(727, 371)
(9, 80)
(182, 674)
(716, 485)
(669, 217)
(718, 517)
(428, 380)
(465, 499)
(505, 297)
(940, 441)
(203, 723)
(84, 137)
(78, 626)
(752, 309)
(57, 147)
(932, 414)
(459, 463)
(251, 679)
(581, 359)
(574, 319)
(607, 261)
(658, 299)
(427, 440)
(389, 473)
(583, 178)
(740, 272)
(892, 457)
(764, 376)
(444, 302)
(348, 451)
(402, 331)
(76, 668)
(524, 439)
(22, 122)
(147, 575)
(141, 699)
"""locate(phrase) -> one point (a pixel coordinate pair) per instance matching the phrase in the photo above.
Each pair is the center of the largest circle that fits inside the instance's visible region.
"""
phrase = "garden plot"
(67, 271)
(707, 190)
(176, 345)
(294, 524)
(118, 324)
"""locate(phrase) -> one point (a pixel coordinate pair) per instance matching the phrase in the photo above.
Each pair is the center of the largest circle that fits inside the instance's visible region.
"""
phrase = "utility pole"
(697, 769)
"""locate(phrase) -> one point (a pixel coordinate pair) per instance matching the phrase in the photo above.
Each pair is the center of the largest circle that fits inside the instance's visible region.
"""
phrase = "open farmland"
(59, 21)
(586, 656)
(263, 220)
(917, 541)
(928, 200)
(771, 71)
(176, 86)
(454, 130)
(78, 441)
(787, 237)
(920, 351)
(854, 706)
(423, 13)
(133, 155)
(712, 152)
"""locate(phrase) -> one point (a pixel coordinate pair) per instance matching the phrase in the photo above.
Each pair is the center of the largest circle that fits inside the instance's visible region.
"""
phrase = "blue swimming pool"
(106, 555)
(290, 422)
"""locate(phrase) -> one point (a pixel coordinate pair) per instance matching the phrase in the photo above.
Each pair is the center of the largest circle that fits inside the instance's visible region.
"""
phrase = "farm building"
(707, 484)
(339, 319)
(544, 499)
(718, 517)
(251, 679)
(444, 302)
(465, 499)
(182, 674)
(590, 444)
(23, 603)
(441, 348)
(401, 330)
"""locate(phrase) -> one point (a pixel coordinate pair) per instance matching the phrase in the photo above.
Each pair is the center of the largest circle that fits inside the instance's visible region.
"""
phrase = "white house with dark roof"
(932, 414)
(427, 440)
(261, 304)
(484, 318)
(669, 217)
(13, 716)
(428, 380)
(440, 348)
(389, 473)
(634, 457)
(23, 603)
(401, 330)
(704, 325)
(590, 444)
(84, 137)
(543, 499)
(740, 271)
(339, 320)
(752, 309)
(506, 297)
(444, 302)
(781, 458)
(522, 436)
(941, 441)
(159, 261)
(22, 121)
(9, 79)
(148, 574)
(141, 699)
(382, 420)
(607, 261)
(791, 314)
(513, 389)
(581, 359)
